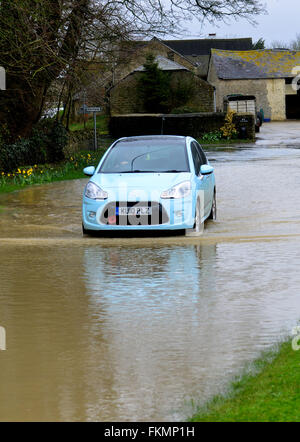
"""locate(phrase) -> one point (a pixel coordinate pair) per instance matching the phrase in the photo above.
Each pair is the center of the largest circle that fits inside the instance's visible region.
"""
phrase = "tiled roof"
(165, 64)
(204, 46)
(266, 63)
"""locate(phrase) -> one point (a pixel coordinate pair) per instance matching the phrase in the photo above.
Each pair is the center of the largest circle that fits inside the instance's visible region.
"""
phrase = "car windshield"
(147, 155)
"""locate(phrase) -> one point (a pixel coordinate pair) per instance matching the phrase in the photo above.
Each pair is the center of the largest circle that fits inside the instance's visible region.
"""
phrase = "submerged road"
(126, 329)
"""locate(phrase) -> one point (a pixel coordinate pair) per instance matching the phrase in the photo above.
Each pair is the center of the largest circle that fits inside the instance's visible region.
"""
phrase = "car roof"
(152, 137)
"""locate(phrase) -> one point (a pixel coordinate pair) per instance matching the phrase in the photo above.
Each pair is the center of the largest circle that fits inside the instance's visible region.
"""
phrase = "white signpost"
(2, 338)
(91, 110)
(2, 79)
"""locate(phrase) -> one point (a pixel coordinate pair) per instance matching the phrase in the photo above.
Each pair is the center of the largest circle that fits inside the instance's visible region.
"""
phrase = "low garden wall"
(195, 125)
(81, 140)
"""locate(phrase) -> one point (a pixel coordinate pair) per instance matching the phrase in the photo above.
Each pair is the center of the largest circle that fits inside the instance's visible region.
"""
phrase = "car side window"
(196, 158)
(201, 153)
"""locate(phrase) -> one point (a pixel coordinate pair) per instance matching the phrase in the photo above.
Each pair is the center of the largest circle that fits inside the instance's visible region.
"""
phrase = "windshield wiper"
(139, 171)
(171, 171)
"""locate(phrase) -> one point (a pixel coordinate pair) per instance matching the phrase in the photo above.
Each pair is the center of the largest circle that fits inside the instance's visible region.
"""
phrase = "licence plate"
(142, 211)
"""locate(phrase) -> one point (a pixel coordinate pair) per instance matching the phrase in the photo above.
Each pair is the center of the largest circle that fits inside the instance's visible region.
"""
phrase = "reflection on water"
(134, 329)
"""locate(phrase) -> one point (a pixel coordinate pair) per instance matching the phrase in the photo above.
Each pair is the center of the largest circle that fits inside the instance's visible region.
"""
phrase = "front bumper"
(178, 214)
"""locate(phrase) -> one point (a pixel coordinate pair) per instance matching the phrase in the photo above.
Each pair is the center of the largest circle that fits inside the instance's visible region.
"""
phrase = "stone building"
(267, 74)
(125, 99)
(193, 54)
(198, 50)
(132, 54)
(126, 56)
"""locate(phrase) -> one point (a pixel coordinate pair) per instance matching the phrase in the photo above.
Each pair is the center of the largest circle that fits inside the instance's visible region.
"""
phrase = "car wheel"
(86, 232)
(213, 212)
(197, 230)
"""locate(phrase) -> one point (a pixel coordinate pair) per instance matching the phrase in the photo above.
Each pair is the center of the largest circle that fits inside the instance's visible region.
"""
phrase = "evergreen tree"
(154, 87)
(260, 44)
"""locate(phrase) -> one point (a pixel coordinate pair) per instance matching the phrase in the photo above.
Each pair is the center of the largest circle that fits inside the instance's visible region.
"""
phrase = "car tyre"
(197, 230)
(213, 212)
(86, 232)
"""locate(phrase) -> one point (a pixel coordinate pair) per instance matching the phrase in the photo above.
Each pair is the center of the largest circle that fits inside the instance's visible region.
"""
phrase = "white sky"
(282, 23)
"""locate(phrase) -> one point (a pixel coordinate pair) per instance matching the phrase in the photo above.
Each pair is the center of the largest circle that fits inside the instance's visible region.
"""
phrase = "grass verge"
(101, 124)
(69, 169)
(270, 393)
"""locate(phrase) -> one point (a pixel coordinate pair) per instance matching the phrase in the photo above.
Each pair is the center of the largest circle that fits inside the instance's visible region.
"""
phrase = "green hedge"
(45, 145)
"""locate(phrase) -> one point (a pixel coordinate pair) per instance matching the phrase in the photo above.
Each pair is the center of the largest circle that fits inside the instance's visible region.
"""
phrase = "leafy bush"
(212, 136)
(229, 130)
(182, 91)
(46, 144)
(56, 138)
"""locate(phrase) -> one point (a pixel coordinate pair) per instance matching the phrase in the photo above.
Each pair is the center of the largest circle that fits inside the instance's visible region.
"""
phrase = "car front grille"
(112, 215)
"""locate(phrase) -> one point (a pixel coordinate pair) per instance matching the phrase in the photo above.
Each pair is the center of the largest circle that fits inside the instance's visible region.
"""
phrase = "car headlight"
(179, 191)
(94, 192)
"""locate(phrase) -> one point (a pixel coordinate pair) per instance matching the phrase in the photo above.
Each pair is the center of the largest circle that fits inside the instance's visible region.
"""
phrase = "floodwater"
(125, 329)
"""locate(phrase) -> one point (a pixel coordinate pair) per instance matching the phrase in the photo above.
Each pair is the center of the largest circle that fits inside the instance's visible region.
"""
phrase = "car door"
(209, 178)
(205, 181)
(202, 183)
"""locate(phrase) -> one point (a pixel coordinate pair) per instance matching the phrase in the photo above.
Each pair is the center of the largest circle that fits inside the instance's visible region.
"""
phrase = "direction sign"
(89, 110)
(93, 109)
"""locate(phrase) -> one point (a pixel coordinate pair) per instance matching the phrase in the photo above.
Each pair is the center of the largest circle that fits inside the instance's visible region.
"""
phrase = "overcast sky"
(282, 23)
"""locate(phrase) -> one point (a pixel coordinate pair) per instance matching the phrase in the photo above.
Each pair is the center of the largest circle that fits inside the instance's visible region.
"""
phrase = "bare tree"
(45, 40)
(293, 45)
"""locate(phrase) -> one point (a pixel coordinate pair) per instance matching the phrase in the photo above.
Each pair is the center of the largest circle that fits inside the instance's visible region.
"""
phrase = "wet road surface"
(126, 329)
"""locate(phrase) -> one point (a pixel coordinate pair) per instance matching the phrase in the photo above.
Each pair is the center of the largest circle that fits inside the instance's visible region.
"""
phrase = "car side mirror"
(89, 171)
(205, 169)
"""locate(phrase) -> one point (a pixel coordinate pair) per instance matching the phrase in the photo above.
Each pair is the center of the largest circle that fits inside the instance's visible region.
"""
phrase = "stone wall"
(124, 98)
(195, 125)
(276, 96)
(81, 140)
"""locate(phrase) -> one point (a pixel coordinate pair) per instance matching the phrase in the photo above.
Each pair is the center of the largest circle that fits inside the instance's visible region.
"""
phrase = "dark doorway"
(292, 104)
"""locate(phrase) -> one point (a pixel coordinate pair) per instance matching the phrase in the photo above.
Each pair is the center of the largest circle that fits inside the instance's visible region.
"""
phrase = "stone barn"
(124, 97)
(268, 74)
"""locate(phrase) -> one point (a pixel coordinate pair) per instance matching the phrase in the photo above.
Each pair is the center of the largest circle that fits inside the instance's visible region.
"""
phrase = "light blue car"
(157, 182)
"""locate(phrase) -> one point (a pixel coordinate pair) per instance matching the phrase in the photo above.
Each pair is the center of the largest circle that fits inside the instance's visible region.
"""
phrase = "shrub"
(182, 91)
(212, 136)
(229, 130)
(56, 138)
(46, 144)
